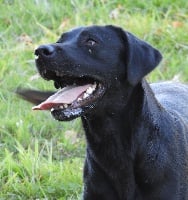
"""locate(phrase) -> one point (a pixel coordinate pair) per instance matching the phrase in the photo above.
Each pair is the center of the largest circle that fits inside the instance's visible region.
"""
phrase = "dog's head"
(89, 64)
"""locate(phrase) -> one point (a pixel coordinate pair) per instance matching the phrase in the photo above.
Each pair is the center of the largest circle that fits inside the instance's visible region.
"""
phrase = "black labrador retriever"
(137, 134)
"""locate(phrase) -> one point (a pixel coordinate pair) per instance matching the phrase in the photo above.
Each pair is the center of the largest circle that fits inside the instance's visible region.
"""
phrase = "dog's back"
(173, 97)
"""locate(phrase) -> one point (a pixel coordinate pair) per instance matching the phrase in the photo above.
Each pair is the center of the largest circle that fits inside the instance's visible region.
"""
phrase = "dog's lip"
(63, 111)
(73, 97)
(65, 97)
(78, 109)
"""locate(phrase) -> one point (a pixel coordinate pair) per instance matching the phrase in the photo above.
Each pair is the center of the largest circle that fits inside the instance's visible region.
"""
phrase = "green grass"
(42, 158)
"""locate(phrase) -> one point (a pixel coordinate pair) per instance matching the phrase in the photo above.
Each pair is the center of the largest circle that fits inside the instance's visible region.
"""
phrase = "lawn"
(40, 157)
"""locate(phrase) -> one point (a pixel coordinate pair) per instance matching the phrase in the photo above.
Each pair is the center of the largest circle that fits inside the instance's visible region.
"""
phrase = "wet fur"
(137, 134)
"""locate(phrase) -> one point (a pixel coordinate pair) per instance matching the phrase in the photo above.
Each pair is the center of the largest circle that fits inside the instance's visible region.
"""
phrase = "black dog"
(137, 137)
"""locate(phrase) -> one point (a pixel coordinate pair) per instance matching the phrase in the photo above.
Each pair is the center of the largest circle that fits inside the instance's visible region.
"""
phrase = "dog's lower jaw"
(66, 115)
(72, 113)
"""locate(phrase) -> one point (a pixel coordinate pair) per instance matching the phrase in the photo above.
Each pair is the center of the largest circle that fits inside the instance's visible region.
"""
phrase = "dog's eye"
(91, 42)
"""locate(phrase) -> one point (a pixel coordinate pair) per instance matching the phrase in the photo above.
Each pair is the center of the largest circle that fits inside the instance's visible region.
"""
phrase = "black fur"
(136, 133)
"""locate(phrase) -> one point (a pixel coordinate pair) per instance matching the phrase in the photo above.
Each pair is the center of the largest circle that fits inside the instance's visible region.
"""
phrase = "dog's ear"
(141, 57)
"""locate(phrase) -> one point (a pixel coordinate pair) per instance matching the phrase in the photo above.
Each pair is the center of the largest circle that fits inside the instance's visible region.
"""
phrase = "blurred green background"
(40, 157)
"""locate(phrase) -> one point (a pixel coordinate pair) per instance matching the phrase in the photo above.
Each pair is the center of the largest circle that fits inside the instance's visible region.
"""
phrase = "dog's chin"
(70, 113)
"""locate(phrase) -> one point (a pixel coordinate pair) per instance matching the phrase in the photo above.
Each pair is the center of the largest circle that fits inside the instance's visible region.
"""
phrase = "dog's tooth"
(85, 95)
(52, 109)
(61, 106)
(90, 90)
(94, 86)
(65, 105)
(79, 99)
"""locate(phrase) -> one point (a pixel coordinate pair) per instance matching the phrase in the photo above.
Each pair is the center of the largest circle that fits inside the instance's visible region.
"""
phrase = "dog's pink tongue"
(65, 96)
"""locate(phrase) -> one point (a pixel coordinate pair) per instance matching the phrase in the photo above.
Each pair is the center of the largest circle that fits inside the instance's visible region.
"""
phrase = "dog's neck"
(110, 124)
(130, 107)
(111, 136)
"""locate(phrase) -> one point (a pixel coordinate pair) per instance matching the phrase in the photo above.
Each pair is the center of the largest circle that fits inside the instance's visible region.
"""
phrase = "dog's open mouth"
(76, 95)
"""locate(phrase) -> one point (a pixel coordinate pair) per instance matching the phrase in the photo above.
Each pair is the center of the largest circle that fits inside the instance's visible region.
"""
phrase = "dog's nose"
(45, 50)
